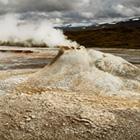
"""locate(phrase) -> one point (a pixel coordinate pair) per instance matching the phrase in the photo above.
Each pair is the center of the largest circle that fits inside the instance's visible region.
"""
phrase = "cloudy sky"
(71, 10)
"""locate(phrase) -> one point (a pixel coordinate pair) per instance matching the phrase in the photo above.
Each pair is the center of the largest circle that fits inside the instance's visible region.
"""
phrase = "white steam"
(13, 31)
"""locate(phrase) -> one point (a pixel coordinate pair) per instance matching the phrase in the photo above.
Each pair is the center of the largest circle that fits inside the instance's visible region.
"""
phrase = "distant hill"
(125, 34)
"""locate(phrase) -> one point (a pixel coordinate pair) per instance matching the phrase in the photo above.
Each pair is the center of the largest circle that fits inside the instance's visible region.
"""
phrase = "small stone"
(63, 124)
(46, 124)
(28, 119)
(33, 116)
(6, 124)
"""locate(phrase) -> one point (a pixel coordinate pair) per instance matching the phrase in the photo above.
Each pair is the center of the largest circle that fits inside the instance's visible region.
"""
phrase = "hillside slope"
(120, 35)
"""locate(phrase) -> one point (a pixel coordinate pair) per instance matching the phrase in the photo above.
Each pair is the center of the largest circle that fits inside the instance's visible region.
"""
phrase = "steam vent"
(81, 95)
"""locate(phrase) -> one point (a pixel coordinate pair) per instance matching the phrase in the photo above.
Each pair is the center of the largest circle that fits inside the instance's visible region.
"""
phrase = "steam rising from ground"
(14, 31)
(78, 70)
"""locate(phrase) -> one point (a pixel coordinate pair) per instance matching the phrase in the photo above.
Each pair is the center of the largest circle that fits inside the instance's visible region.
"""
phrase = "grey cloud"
(73, 9)
(42, 5)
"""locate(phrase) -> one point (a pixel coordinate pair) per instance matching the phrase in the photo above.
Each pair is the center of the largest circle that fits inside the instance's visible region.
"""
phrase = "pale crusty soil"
(56, 114)
(68, 116)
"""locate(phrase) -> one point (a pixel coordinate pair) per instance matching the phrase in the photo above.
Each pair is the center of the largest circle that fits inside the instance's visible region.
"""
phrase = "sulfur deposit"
(86, 70)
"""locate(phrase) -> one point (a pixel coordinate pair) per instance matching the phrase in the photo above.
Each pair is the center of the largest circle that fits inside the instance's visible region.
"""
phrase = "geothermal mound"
(83, 70)
(81, 95)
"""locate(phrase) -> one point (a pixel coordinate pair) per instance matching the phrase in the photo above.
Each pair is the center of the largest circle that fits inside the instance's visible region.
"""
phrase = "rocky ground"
(84, 94)
(68, 115)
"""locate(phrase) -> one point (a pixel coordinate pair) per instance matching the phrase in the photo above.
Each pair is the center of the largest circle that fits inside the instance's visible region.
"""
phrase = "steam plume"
(13, 32)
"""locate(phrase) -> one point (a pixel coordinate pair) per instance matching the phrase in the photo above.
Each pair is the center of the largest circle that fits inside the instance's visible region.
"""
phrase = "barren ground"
(59, 114)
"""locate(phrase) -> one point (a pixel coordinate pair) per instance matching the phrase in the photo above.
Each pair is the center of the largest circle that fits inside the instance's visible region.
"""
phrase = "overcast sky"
(71, 10)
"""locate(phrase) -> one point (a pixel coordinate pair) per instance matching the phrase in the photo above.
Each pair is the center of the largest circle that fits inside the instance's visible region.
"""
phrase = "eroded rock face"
(83, 70)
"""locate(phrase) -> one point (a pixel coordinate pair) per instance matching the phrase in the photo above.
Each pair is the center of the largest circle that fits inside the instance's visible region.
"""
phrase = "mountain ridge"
(124, 34)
